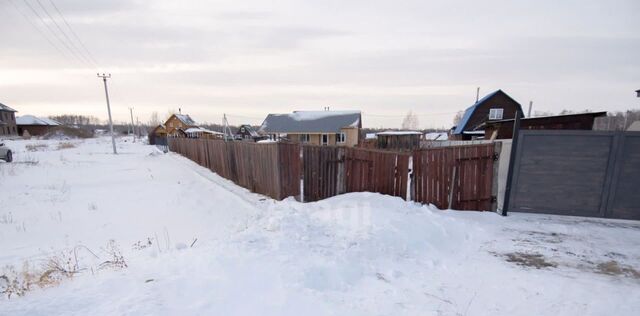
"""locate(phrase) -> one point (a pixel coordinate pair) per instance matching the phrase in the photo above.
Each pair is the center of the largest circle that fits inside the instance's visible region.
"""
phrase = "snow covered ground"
(126, 223)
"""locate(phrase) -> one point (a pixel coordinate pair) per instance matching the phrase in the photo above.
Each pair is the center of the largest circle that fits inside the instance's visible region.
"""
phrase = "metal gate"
(583, 173)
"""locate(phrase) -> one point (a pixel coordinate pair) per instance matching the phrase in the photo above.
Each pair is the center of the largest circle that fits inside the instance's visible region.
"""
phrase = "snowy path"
(356, 254)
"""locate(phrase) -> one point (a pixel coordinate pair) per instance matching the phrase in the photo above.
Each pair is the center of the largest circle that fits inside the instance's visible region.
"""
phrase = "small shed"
(158, 135)
(503, 129)
(399, 140)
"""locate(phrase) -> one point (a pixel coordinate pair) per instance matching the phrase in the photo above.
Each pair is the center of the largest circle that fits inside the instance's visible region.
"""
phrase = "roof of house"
(594, 114)
(469, 111)
(634, 127)
(34, 120)
(6, 108)
(436, 136)
(186, 119)
(311, 122)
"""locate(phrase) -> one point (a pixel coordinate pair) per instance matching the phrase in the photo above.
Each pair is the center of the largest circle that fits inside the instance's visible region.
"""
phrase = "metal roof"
(469, 111)
(186, 119)
(6, 108)
(33, 120)
(311, 122)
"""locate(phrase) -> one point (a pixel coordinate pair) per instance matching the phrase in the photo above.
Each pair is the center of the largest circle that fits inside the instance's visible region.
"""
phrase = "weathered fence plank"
(269, 169)
(470, 185)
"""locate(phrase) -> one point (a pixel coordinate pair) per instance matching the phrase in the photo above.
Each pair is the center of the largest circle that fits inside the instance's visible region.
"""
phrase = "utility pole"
(226, 128)
(133, 128)
(106, 93)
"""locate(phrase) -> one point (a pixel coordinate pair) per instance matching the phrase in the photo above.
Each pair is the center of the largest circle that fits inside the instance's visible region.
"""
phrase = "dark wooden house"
(247, 132)
(495, 106)
(8, 121)
(503, 129)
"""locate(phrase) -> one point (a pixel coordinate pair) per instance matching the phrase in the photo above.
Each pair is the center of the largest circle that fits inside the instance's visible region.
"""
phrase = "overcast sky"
(250, 58)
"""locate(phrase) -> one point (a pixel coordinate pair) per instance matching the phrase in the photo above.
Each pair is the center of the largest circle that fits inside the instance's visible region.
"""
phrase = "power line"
(52, 31)
(75, 48)
(38, 29)
(74, 33)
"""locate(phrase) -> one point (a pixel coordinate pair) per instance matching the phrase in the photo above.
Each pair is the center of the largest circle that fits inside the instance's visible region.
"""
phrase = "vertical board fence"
(457, 177)
(329, 171)
(269, 169)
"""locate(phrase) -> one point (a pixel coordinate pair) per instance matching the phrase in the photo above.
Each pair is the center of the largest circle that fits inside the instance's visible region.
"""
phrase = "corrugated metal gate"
(582, 173)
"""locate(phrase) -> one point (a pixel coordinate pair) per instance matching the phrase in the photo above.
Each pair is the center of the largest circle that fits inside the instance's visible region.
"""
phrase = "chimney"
(180, 110)
(530, 106)
(477, 94)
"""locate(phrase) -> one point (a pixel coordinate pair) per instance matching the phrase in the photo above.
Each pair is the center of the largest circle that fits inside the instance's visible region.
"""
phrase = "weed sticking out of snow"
(59, 267)
(6, 218)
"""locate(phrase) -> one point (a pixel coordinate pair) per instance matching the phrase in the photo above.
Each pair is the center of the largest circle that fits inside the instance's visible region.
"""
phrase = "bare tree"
(154, 120)
(410, 122)
(457, 118)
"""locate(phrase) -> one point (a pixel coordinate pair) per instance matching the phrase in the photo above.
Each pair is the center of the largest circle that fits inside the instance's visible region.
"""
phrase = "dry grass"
(57, 268)
(66, 145)
(36, 147)
(65, 132)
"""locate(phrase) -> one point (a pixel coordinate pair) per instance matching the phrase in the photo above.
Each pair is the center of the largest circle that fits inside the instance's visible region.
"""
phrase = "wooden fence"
(457, 177)
(269, 169)
(329, 171)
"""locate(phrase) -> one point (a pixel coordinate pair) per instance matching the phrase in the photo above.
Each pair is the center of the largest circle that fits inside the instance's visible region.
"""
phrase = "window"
(341, 137)
(495, 114)
(325, 139)
(304, 138)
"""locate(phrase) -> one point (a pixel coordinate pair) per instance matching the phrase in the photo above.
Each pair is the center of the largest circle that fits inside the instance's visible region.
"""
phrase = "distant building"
(340, 128)
(434, 136)
(399, 140)
(8, 121)
(247, 132)
(503, 129)
(495, 106)
(200, 132)
(35, 126)
(176, 124)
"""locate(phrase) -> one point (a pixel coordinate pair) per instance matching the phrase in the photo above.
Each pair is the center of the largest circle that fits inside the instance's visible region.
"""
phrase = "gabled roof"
(33, 120)
(185, 119)
(311, 122)
(6, 108)
(469, 111)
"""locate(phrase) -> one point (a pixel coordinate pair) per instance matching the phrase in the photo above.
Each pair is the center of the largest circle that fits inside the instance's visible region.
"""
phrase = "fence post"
(512, 158)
